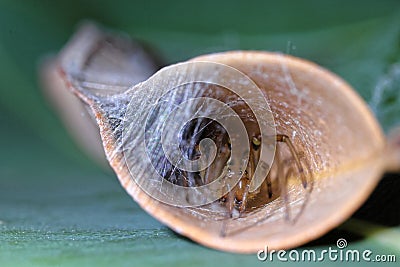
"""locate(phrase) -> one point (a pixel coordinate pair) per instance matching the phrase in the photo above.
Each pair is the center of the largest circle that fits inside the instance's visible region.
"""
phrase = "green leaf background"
(58, 208)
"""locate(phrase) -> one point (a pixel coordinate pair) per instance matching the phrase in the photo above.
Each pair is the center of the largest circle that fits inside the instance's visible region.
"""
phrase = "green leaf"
(58, 208)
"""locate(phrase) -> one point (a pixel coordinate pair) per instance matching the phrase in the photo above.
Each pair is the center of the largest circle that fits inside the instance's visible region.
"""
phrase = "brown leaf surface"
(342, 144)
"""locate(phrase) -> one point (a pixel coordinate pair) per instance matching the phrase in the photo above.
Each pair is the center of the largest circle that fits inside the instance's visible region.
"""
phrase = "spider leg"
(229, 203)
(285, 139)
(282, 178)
(268, 182)
(248, 175)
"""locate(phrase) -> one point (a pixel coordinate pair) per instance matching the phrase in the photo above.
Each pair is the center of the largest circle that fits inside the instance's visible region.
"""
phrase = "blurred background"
(58, 207)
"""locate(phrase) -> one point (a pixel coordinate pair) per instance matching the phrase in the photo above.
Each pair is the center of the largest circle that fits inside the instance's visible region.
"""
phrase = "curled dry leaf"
(119, 62)
(341, 147)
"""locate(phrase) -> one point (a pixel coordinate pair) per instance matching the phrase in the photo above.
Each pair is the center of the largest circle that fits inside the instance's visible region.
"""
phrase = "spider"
(237, 199)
